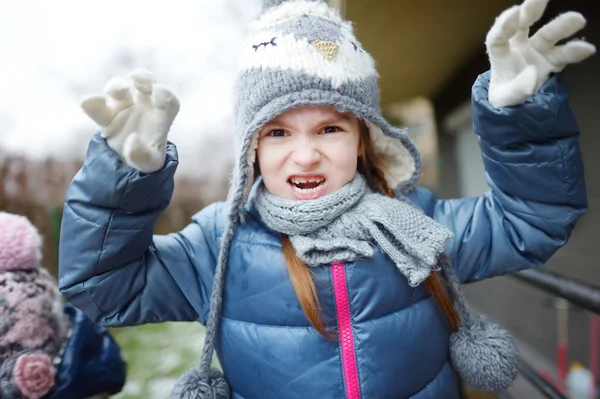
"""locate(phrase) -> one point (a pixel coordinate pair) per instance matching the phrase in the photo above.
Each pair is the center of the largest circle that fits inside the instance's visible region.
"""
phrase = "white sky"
(53, 52)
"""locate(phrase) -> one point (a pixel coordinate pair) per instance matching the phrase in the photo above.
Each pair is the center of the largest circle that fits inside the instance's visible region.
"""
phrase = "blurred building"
(435, 50)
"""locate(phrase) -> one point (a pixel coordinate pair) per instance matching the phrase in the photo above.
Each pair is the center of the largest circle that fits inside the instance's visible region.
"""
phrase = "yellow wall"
(418, 45)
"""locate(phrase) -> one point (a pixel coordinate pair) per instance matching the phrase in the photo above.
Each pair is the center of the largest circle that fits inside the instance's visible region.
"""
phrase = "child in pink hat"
(36, 328)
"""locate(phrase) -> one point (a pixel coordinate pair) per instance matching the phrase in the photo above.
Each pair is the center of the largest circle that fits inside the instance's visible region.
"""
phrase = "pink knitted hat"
(33, 327)
(20, 243)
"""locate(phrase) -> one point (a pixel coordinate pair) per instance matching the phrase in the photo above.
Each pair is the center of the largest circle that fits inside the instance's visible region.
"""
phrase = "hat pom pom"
(28, 374)
(20, 243)
(485, 355)
(268, 4)
(201, 383)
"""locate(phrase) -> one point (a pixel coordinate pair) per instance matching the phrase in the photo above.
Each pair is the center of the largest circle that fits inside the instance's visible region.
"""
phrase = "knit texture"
(266, 4)
(21, 243)
(33, 327)
(341, 226)
(200, 383)
(484, 354)
(31, 314)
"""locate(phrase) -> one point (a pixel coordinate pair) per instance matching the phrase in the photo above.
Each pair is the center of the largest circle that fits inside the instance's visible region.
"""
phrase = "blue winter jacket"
(119, 273)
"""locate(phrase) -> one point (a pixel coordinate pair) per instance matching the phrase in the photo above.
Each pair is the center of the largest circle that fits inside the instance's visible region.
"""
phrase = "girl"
(323, 276)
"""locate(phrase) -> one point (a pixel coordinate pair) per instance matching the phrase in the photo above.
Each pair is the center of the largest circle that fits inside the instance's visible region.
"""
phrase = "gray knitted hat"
(300, 52)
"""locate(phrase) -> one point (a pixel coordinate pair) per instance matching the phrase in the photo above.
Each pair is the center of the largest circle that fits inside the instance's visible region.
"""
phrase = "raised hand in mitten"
(135, 118)
(521, 64)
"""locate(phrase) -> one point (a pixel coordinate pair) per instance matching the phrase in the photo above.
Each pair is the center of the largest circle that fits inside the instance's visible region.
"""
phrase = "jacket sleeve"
(537, 191)
(111, 266)
(91, 362)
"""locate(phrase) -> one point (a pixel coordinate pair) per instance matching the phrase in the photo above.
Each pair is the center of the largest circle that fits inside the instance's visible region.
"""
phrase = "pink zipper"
(342, 305)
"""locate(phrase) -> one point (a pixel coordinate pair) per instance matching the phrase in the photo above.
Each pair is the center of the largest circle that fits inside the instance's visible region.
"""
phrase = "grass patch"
(156, 355)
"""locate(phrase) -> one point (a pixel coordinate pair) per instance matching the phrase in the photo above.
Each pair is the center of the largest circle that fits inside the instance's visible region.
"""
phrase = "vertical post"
(594, 343)
(562, 349)
(56, 218)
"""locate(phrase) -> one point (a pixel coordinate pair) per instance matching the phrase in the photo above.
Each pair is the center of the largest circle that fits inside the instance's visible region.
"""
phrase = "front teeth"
(298, 180)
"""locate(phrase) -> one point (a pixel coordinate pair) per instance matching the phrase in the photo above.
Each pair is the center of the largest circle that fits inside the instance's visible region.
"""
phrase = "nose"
(306, 154)
(328, 50)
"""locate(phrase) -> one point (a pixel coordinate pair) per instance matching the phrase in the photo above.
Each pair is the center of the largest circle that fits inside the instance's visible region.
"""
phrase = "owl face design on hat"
(308, 37)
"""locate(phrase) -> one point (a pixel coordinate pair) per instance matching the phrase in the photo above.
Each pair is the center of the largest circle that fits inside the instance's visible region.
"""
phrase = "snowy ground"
(156, 355)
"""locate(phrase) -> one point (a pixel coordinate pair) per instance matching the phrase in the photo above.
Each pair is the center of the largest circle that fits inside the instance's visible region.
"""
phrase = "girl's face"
(308, 152)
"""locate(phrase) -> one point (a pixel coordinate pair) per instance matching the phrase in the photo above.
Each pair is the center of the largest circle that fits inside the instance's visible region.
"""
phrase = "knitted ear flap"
(205, 382)
(28, 374)
(484, 354)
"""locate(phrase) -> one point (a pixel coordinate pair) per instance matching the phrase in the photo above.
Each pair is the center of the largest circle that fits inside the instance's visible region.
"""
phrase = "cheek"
(269, 161)
(345, 157)
(347, 168)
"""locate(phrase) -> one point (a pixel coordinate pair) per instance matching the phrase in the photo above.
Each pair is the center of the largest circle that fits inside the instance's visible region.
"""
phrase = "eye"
(356, 48)
(259, 45)
(276, 133)
(331, 129)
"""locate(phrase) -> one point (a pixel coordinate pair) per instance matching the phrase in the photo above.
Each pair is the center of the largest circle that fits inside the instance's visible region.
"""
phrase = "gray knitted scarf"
(341, 227)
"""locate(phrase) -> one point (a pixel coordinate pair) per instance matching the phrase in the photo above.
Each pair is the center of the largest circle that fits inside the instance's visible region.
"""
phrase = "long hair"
(372, 168)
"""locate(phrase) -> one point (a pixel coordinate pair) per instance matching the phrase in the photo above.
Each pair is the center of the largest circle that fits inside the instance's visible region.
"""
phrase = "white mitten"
(521, 64)
(135, 118)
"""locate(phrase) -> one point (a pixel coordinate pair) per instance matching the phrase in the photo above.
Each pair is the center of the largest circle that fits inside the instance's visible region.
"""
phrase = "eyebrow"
(338, 118)
(346, 116)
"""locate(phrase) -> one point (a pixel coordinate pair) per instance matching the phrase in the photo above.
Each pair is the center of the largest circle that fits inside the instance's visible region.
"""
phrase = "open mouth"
(306, 185)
